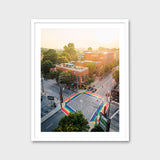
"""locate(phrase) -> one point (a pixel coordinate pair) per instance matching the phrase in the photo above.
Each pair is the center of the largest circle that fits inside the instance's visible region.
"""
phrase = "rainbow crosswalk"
(66, 109)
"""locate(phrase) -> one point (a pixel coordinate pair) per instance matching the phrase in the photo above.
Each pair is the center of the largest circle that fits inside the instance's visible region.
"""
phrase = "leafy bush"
(74, 122)
(97, 128)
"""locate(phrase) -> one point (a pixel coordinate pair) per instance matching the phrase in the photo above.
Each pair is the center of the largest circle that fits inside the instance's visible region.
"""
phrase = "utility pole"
(60, 92)
(77, 83)
(42, 85)
(109, 100)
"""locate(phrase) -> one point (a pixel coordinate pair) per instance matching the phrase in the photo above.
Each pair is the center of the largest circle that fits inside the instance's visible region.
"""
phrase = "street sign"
(104, 123)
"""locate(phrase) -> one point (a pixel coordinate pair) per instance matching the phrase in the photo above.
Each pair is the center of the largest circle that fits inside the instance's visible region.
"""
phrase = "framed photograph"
(80, 80)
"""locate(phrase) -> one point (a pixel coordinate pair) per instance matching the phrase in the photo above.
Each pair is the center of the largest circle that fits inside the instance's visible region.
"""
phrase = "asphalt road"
(104, 85)
(52, 122)
(52, 88)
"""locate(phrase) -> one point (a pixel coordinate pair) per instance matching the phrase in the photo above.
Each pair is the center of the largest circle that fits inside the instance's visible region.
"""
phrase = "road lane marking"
(103, 84)
(114, 114)
(49, 126)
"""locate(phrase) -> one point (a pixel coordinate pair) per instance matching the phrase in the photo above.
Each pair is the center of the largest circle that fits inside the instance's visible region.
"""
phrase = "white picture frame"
(36, 134)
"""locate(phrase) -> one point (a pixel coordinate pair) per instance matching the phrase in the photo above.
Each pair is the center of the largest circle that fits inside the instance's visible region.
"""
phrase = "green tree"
(90, 80)
(91, 68)
(51, 75)
(101, 71)
(66, 78)
(115, 75)
(70, 49)
(97, 128)
(100, 49)
(67, 55)
(90, 49)
(74, 122)
(62, 59)
(57, 75)
(43, 50)
(50, 55)
(108, 67)
(45, 66)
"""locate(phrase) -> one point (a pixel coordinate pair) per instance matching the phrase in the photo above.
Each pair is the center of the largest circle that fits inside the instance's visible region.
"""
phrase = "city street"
(52, 122)
(105, 86)
(51, 88)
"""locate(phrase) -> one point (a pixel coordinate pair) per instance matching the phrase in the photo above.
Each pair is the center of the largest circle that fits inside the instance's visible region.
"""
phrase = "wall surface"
(15, 66)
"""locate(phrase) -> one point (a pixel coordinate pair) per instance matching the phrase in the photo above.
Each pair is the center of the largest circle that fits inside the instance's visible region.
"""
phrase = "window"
(78, 78)
(82, 78)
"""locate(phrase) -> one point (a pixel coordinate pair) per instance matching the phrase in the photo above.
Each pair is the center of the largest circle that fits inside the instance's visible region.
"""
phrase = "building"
(116, 55)
(104, 58)
(79, 73)
(52, 69)
(86, 62)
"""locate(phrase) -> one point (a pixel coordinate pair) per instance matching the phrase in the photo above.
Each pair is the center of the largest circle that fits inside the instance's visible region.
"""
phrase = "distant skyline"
(82, 38)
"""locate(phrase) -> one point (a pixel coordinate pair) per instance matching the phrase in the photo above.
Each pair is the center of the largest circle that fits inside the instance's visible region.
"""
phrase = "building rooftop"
(89, 61)
(72, 67)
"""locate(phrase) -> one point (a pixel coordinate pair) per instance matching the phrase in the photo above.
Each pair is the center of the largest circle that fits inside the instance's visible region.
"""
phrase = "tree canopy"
(90, 49)
(62, 59)
(57, 75)
(92, 68)
(70, 49)
(66, 54)
(116, 75)
(45, 66)
(50, 55)
(97, 128)
(74, 122)
(66, 78)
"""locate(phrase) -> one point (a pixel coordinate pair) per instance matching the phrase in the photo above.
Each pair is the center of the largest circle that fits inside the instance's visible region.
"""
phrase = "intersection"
(52, 88)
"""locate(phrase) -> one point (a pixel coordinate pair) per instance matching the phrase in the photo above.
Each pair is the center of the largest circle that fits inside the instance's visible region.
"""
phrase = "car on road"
(91, 89)
(94, 90)
(50, 97)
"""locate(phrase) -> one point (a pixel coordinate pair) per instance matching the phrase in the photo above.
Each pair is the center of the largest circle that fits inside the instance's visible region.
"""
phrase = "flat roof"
(89, 61)
(76, 68)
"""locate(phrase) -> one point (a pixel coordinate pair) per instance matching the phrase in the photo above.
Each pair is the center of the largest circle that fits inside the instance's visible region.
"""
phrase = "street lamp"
(42, 85)
(60, 91)
(109, 101)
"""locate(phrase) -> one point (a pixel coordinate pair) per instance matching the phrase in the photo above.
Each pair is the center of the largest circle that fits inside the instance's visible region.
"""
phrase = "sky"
(82, 38)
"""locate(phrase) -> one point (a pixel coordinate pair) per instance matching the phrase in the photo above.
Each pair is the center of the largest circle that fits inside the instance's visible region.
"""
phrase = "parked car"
(94, 90)
(89, 88)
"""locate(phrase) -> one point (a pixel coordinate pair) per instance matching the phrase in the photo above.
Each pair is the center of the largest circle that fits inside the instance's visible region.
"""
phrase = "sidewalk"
(58, 107)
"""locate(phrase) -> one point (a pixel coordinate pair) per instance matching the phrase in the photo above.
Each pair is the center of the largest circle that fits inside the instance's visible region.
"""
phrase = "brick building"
(79, 73)
(104, 58)
(86, 62)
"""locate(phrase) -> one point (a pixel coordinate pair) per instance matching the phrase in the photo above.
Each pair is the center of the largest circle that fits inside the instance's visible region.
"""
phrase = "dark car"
(89, 89)
(50, 97)
(94, 90)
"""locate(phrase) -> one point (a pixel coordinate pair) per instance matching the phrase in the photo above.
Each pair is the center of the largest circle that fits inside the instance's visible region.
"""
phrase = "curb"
(50, 114)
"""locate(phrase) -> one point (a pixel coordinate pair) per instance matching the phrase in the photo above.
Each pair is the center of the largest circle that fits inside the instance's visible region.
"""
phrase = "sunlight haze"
(82, 38)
